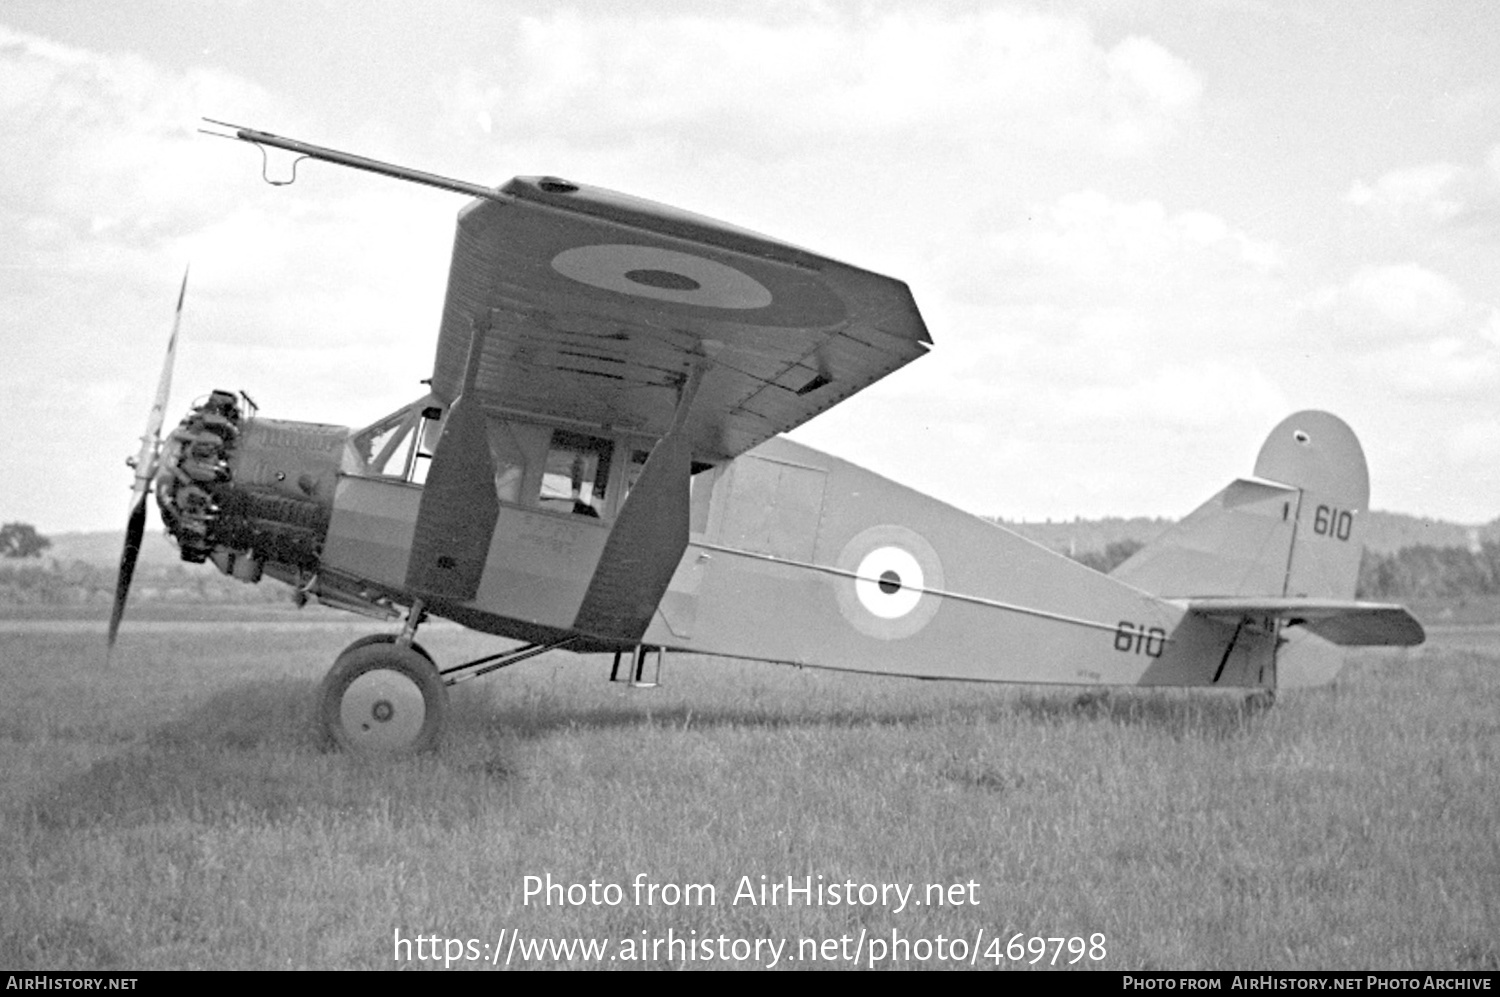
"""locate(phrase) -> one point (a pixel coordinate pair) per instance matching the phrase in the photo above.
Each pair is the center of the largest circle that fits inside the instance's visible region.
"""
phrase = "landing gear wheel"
(382, 698)
(383, 639)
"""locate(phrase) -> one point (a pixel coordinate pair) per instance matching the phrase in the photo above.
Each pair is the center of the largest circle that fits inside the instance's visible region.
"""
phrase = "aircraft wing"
(594, 306)
(1341, 621)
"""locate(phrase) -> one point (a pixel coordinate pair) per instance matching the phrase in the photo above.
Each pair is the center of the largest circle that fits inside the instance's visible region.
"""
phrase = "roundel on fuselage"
(887, 582)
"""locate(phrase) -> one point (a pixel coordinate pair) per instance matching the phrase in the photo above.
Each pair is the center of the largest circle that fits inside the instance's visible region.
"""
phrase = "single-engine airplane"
(598, 467)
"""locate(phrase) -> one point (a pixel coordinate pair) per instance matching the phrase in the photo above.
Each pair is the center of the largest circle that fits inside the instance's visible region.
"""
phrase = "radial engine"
(249, 493)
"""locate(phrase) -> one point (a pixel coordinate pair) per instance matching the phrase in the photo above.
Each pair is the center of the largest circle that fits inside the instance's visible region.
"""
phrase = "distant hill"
(1080, 536)
(79, 569)
(1389, 532)
(102, 548)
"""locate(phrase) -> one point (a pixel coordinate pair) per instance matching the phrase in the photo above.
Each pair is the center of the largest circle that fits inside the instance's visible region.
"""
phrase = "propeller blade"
(135, 530)
(145, 464)
(145, 461)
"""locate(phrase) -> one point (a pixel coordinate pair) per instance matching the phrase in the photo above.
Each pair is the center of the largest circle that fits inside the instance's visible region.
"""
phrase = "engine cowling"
(248, 491)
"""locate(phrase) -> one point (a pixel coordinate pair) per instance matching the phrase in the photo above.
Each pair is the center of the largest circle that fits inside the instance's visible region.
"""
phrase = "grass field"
(171, 810)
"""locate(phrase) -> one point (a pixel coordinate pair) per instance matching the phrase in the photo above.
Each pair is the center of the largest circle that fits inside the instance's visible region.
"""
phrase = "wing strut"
(504, 659)
(458, 509)
(649, 535)
(1229, 649)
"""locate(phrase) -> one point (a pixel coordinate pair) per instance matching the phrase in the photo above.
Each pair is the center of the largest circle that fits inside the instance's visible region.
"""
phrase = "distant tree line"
(21, 540)
(1425, 572)
(1111, 557)
(53, 583)
(28, 580)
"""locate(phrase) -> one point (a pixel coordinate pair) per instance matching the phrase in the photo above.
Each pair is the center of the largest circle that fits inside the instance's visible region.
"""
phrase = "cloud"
(1412, 330)
(1476, 442)
(1446, 367)
(1117, 247)
(105, 187)
(1078, 351)
(1082, 351)
(1436, 193)
(1187, 394)
(107, 142)
(765, 86)
(1151, 90)
(1157, 315)
(1102, 293)
(118, 188)
(1391, 303)
(108, 191)
(1490, 330)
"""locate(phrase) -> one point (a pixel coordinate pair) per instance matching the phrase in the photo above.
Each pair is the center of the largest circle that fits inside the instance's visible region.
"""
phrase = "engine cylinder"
(261, 488)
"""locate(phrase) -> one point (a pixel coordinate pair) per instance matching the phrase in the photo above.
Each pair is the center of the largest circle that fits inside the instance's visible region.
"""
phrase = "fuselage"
(793, 555)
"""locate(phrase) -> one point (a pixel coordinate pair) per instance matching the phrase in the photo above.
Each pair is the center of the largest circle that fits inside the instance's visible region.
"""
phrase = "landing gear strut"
(385, 695)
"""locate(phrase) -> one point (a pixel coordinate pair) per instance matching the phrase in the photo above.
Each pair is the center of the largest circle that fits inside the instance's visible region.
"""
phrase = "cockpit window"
(576, 474)
(400, 445)
(513, 448)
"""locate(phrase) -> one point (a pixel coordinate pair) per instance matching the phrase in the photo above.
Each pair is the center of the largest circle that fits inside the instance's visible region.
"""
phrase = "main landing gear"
(382, 697)
(385, 695)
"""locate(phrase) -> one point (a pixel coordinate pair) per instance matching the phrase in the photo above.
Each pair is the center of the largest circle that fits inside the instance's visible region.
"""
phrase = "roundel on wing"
(662, 275)
(888, 578)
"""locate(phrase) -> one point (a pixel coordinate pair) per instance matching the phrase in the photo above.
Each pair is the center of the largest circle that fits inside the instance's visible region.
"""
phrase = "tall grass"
(172, 810)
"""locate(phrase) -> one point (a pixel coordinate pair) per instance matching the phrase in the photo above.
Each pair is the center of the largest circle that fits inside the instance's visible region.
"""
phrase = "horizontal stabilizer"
(1340, 621)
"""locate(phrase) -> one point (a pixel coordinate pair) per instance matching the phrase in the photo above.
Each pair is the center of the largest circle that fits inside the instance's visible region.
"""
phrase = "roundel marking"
(663, 279)
(888, 592)
(662, 275)
(889, 582)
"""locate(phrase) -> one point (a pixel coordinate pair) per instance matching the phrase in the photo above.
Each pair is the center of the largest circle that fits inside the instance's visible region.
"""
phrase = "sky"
(1140, 233)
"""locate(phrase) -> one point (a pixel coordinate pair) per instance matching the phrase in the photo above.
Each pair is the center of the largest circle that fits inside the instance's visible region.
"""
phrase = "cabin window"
(633, 471)
(383, 447)
(511, 449)
(429, 429)
(400, 446)
(576, 474)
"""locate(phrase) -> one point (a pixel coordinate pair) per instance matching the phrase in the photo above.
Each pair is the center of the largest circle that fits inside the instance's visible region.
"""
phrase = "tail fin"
(1292, 530)
(1283, 545)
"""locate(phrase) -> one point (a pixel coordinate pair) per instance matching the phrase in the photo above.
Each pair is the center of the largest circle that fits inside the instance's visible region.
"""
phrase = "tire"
(366, 641)
(382, 699)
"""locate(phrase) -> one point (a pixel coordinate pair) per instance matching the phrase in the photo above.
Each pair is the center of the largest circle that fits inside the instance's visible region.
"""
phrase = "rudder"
(1318, 454)
(1291, 531)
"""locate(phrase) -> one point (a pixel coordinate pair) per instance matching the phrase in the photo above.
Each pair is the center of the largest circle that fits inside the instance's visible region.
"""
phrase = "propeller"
(145, 464)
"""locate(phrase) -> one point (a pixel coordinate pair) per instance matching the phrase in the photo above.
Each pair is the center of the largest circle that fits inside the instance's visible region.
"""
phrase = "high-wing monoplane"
(598, 466)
